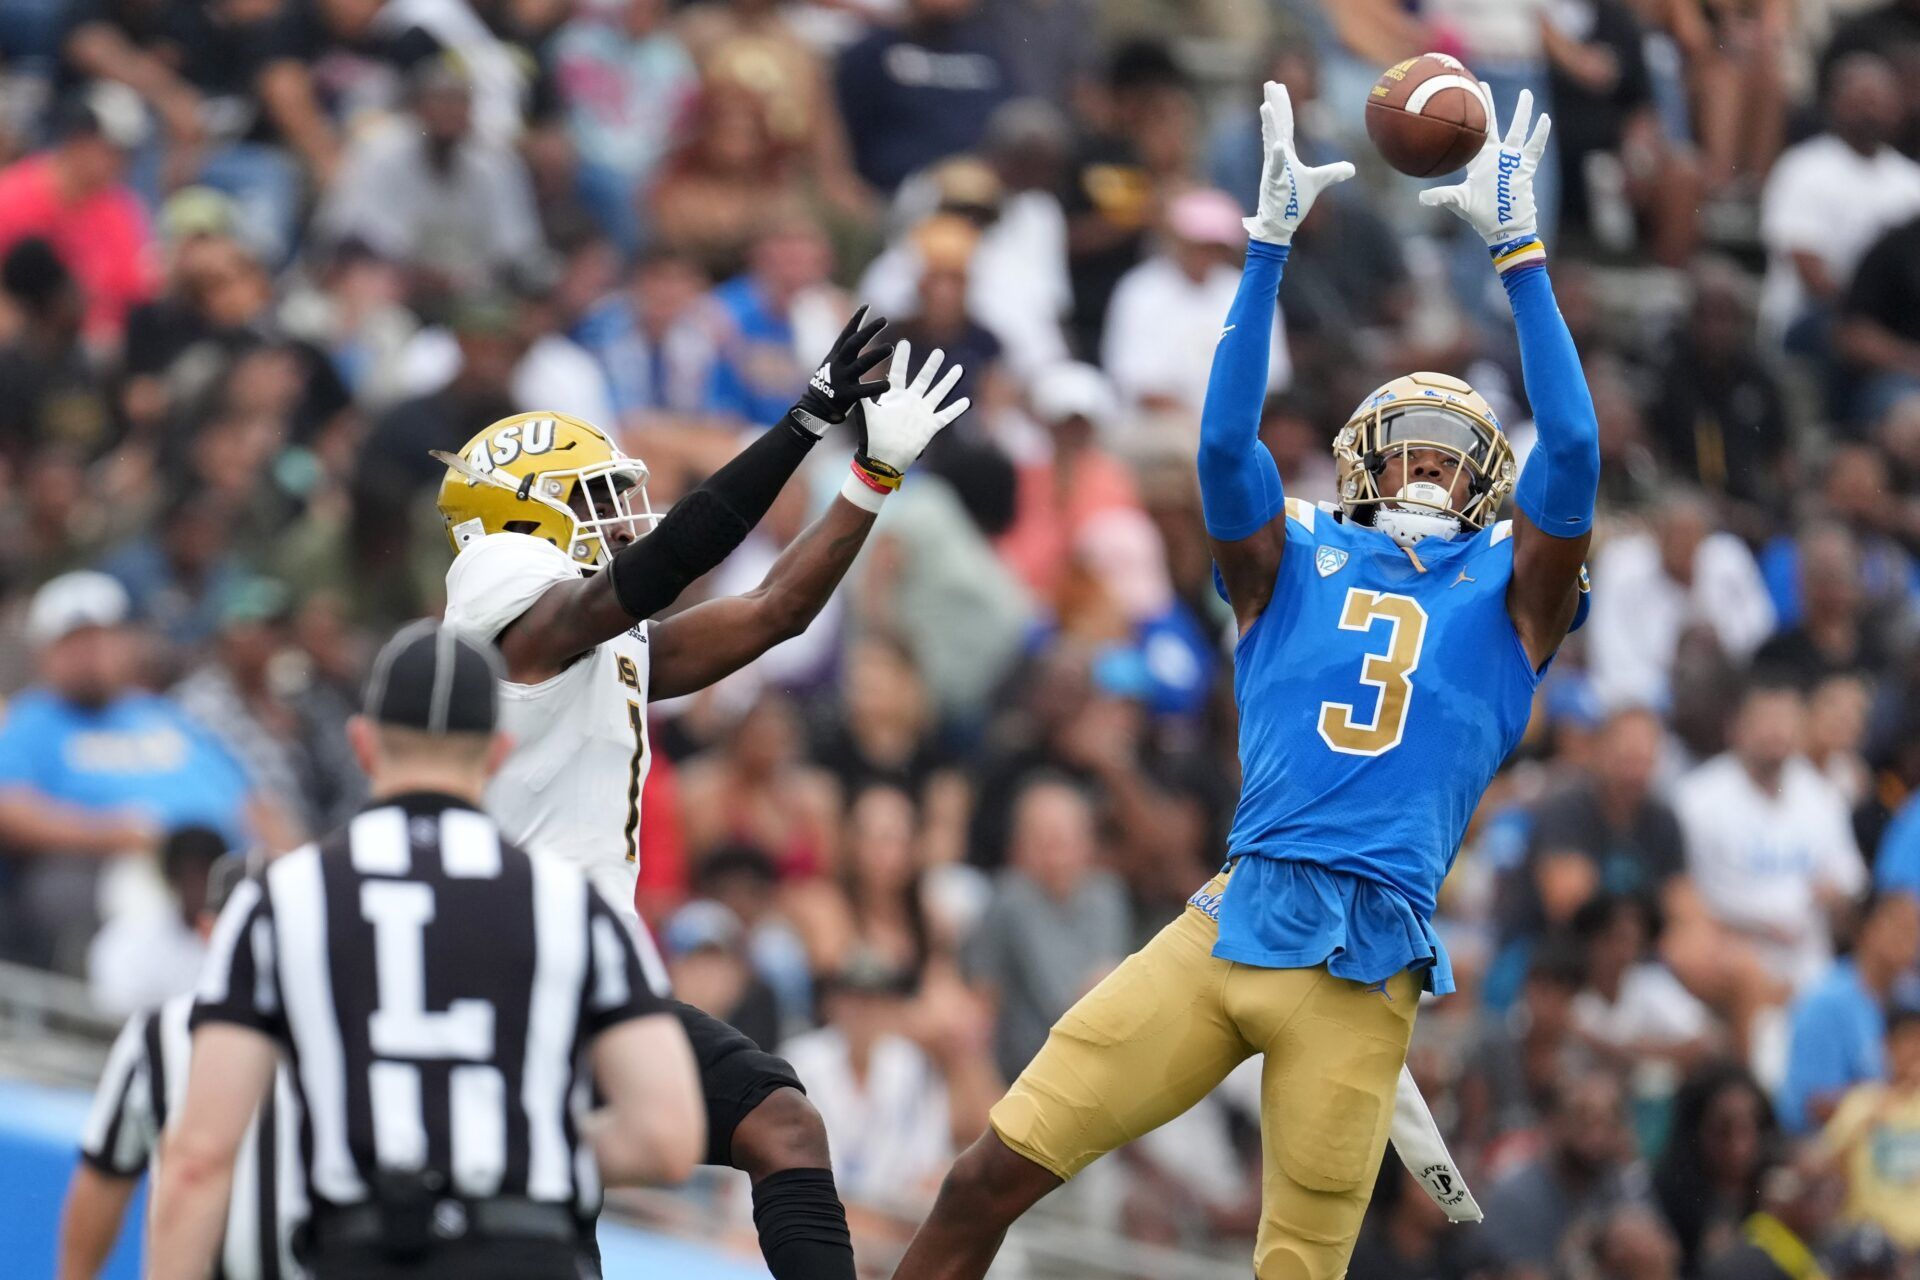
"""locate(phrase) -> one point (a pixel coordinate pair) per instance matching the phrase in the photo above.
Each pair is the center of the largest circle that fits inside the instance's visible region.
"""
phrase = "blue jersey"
(1376, 703)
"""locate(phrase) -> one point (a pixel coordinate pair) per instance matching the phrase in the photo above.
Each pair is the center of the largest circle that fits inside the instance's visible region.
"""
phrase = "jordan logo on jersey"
(1328, 560)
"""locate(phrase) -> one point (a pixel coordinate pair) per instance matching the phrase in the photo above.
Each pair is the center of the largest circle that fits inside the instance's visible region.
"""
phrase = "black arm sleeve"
(703, 528)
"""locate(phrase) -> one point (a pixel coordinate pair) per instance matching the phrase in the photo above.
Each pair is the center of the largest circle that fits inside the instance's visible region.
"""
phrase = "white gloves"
(1287, 188)
(900, 424)
(1496, 197)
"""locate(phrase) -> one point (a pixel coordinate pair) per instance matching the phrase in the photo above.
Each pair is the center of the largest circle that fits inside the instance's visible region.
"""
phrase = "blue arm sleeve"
(1562, 474)
(1239, 483)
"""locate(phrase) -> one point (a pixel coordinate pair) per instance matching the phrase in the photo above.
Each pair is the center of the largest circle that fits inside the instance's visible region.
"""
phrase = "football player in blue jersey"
(1389, 649)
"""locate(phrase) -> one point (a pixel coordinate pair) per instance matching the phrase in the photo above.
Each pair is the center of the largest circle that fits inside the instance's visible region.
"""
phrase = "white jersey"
(570, 788)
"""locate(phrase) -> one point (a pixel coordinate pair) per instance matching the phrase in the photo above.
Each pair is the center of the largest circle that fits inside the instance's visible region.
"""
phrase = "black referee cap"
(432, 678)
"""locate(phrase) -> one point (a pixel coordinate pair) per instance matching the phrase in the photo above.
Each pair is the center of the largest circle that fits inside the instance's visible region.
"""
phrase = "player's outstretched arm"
(1554, 500)
(703, 528)
(1240, 493)
(693, 649)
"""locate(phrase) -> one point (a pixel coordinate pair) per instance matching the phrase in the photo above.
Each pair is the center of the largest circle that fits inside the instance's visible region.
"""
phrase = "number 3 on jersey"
(1390, 672)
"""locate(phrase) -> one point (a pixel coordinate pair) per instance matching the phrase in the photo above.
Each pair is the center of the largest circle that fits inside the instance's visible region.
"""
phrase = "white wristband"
(861, 494)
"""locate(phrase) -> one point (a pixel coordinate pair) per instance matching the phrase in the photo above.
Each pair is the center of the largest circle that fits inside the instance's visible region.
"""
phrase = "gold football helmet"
(1423, 411)
(548, 475)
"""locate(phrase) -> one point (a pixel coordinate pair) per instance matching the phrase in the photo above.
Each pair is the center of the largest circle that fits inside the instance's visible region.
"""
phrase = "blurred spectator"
(430, 191)
(258, 697)
(176, 578)
(1138, 144)
(729, 186)
(1769, 844)
(1656, 587)
(1858, 491)
(395, 465)
(495, 48)
(1017, 285)
(51, 391)
(780, 306)
(1585, 1167)
(626, 82)
(705, 948)
(1522, 1053)
(1890, 29)
(1633, 1014)
(895, 1114)
(1798, 1201)
(1625, 181)
(1721, 1142)
(1056, 925)
(759, 46)
(1837, 713)
(941, 314)
(1076, 479)
(1877, 335)
(1302, 451)
(1119, 600)
(92, 768)
(353, 312)
(1165, 318)
(925, 90)
(744, 880)
(1718, 416)
(143, 957)
(1629, 471)
(228, 82)
(881, 882)
(1838, 1029)
(883, 735)
(1406, 1236)
(1737, 54)
(1898, 863)
(758, 788)
(930, 576)
(1631, 1242)
(658, 344)
(553, 374)
(1830, 197)
(54, 524)
(1863, 1252)
(73, 197)
(1605, 833)
(358, 57)
(1874, 1135)
(1835, 635)
(186, 352)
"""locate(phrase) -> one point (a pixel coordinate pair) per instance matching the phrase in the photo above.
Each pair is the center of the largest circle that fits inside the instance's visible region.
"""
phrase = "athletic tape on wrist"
(861, 493)
(1529, 251)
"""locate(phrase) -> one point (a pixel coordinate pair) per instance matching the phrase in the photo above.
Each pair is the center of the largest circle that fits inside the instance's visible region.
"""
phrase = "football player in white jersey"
(547, 516)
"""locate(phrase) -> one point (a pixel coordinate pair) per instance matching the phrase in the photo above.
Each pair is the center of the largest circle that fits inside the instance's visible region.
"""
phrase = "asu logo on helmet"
(548, 475)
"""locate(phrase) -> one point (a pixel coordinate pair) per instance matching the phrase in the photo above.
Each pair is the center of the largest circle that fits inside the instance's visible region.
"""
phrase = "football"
(1426, 115)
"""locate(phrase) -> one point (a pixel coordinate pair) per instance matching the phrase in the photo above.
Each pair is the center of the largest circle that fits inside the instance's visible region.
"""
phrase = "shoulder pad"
(1502, 530)
(1303, 511)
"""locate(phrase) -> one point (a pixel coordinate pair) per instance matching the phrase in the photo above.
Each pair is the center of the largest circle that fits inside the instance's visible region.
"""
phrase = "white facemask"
(1408, 525)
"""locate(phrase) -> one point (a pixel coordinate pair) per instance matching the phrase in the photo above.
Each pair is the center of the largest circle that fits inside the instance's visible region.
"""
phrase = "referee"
(145, 1078)
(446, 1005)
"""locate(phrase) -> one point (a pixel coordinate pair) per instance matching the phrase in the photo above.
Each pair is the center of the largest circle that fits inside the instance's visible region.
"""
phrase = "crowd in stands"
(258, 257)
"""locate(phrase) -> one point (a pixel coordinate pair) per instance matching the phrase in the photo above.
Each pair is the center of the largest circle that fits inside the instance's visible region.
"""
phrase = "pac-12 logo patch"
(1329, 560)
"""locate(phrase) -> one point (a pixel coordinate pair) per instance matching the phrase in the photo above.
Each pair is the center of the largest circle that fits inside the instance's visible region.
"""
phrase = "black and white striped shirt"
(145, 1079)
(435, 989)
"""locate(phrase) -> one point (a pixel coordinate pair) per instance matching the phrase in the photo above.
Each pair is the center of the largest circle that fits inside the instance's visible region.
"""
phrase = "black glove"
(835, 387)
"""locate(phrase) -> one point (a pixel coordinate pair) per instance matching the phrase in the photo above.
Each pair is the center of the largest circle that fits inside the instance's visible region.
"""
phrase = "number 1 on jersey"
(1390, 672)
(637, 718)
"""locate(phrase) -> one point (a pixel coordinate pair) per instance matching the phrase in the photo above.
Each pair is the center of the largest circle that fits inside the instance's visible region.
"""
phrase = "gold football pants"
(1171, 1022)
